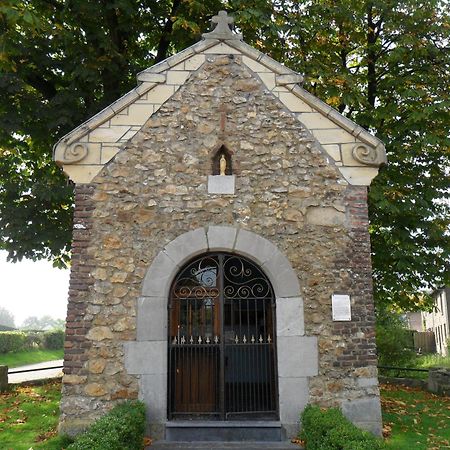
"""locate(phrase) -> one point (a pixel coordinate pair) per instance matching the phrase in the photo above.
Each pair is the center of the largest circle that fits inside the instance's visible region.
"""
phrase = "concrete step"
(249, 445)
(228, 431)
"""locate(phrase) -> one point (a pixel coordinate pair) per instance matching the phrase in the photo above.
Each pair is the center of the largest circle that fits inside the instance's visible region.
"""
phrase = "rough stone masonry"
(288, 190)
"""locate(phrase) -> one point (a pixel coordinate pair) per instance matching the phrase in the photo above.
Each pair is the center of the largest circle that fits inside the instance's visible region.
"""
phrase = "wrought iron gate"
(222, 358)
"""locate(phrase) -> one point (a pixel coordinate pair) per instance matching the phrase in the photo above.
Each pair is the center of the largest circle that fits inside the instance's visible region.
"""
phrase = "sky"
(31, 288)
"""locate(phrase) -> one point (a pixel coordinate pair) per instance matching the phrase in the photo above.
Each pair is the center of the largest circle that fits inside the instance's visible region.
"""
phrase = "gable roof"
(86, 149)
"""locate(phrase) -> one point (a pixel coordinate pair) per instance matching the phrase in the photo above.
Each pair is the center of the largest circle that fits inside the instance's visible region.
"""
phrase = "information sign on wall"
(341, 307)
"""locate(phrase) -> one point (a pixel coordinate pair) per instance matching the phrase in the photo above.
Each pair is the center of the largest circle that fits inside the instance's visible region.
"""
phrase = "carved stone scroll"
(75, 153)
(367, 155)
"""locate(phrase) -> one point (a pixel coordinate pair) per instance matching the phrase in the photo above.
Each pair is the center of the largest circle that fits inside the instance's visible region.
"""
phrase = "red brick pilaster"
(76, 345)
(360, 350)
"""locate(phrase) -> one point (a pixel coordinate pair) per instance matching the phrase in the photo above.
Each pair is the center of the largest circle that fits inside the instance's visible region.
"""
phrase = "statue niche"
(221, 162)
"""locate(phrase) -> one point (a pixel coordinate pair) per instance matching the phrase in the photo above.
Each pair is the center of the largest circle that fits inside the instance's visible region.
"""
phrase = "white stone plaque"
(340, 304)
(221, 184)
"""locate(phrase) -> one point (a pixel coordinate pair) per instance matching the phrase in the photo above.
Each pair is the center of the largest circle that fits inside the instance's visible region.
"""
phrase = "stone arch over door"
(147, 356)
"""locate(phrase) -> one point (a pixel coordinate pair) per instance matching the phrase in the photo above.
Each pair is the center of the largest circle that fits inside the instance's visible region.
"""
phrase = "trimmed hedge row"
(121, 429)
(12, 341)
(15, 341)
(330, 430)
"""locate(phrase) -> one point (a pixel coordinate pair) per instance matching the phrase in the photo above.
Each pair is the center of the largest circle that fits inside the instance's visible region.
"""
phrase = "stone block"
(268, 78)
(99, 334)
(189, 244)
(333, 150)
(293, 103)
(333, 136)
(293, 396)
(153, 392)
(284, 279)
(146, 358)
(159, 276)
(93, 155)
(81, 174)
(159, 94)
(221, 238)
(290, 320)
(3, 378)
(221, 184)
(110, 134)
(194, 62)
(367, 382)
(138, 114)
(364, 413)
(108, 152)
(222, 49)
(151, 319)
(177, 76)
(325, 216)
(359, 176)
(255, 66)
(316, 120)
(347, 155)
(290, 78)
(254, 246)
(297, 356)
(151, 77)
(128, 135)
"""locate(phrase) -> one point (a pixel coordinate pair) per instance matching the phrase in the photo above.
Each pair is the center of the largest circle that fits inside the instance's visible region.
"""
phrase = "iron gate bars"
(222, 358)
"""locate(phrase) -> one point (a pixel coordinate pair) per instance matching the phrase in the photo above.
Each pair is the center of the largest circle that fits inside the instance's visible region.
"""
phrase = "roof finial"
(222, 30)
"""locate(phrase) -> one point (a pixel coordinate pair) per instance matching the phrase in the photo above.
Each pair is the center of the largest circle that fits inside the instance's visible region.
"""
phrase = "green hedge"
(330, 430)
(16, 341)
(121, 429)
(54, 340)
(12, 341)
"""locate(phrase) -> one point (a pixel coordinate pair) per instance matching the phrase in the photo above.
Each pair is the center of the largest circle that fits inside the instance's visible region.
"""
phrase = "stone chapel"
(221, 265)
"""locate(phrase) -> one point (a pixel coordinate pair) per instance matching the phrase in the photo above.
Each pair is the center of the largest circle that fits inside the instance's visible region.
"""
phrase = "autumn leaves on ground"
(413, 419)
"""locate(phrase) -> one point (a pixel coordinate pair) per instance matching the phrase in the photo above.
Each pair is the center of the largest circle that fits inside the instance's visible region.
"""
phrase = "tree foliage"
(6, 318)
(42, 323)
(383, 63)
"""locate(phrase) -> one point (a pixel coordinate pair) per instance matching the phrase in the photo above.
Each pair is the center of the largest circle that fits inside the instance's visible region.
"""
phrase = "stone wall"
(439, 381)
(287, 191)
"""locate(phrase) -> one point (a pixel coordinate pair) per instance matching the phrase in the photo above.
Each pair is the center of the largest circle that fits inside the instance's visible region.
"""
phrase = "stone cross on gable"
(222, 30)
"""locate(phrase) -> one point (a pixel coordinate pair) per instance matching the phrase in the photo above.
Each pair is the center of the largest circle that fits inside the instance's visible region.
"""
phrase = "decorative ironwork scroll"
(244, 280)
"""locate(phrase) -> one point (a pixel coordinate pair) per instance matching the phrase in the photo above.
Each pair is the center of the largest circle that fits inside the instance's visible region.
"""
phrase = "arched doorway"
(222, 349)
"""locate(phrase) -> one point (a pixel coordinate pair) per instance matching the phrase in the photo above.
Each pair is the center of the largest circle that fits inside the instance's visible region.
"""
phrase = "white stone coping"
(155, 75)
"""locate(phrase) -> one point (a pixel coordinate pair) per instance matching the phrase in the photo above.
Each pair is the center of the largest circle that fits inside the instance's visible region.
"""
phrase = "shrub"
(34, 339)
(12, 341)
(330, 430)
(54, 340)
(394, 343)
(121, 429)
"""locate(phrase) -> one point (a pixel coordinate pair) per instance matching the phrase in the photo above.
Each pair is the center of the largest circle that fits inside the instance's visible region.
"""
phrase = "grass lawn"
(16, 359)
(416, 420)
(421, 362)
(427, 361)
(29, 416)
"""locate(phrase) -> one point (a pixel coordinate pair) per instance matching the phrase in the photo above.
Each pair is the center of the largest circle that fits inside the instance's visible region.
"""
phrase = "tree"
(384, 64)
(6, 318)
(42, 323)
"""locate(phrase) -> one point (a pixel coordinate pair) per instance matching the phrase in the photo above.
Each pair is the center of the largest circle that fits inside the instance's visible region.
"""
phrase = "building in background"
(438, 319)
(437, 322)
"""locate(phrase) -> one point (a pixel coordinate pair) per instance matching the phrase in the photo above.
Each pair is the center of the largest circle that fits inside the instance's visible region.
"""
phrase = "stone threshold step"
(248, 445)
(223, 431)
(223, 424)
